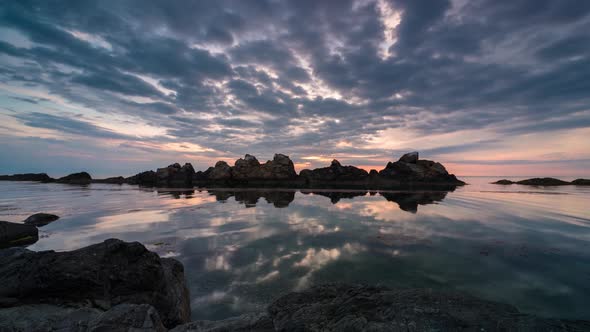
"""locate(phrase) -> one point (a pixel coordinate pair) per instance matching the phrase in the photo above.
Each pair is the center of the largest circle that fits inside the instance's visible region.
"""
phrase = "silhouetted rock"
(76, 178)
(98, 276)
(146, 179)
(112, 180)
(334, 174)
(221, 172)
(41, 219)
(409, 201)
(13, 234)
(503, 182)
(410, 170)
(543, 182)
(175, 176)
(410, 158)
(581, 182)
(249, 169)
(39, 177)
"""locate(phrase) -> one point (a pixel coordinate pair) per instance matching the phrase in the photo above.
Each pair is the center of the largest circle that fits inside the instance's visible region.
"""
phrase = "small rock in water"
(41, 219)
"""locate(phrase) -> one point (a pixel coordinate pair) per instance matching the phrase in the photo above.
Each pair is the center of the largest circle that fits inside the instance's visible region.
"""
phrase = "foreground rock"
(39, 177)
(13, 234)
(544, 182)
(76, 178)
(409, 170)
(339, 307)
(40, 219)
(99, 277)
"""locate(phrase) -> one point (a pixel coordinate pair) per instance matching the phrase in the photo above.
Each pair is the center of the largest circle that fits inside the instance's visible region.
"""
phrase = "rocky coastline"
(544, 182)
(121, 286)
(408, 172)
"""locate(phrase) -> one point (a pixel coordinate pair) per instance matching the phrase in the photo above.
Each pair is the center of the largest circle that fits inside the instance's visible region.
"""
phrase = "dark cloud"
(299, 74)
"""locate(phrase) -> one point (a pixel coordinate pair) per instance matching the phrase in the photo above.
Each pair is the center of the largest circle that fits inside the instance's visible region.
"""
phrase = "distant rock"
(99, 276)
(76, 178)
(145, 179)
(112, 180)
(581, 182)
(13, 234)
(503, 182)
(410, 170)
(410, 158)
(335, 174)
(543, 182)
(246, 168)
(40, 219)
(175, 176)
(249, 169)
(39, 177)
(221, 172)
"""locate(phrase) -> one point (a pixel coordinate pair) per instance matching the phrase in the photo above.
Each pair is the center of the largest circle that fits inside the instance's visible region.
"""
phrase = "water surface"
(527, 246)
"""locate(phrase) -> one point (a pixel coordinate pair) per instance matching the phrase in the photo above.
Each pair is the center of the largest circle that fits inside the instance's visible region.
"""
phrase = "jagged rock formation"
(544, 182)
(409, 169)
(147, 178)
(175, 176)
(14, 234)
(99, 276)
(75, 178)
(335, 174)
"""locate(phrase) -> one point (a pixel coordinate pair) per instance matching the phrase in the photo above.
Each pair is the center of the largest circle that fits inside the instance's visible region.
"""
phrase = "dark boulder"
(100, 276)
(39, 177)
(543, 182)
(581, 182)
(112, 180)
(409, 169)
(335, 173)
(175, 176)
(146, 179)
(249, 168)
(41, 219)
(503, 182)
(76, 178)
(221, 172)
(13, 234)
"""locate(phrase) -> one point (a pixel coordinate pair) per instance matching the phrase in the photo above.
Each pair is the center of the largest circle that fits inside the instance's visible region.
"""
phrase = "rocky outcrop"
(39, 177)
(581, 182)
(411, 170)
(249, 169)
(175, 176)
(544, 182)
(113, 180)
(99, 276)
(221, 172)
(335, 174)
(76, 178)
(341, 307)
(40, 219)
(146, 179)
(13, 234)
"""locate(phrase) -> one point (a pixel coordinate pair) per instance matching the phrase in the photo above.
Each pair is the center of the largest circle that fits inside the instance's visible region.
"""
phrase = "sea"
(241, 248)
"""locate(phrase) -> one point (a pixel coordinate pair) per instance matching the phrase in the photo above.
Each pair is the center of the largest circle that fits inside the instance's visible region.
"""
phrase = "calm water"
(527, 246)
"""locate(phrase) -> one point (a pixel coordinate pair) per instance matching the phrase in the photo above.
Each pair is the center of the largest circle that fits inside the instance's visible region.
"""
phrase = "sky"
(117, 87)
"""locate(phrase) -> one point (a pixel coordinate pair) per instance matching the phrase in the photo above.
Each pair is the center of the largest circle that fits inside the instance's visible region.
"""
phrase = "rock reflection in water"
(249, 198)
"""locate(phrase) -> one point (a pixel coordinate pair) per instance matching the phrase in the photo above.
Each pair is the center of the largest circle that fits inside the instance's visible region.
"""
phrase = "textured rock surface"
(334, 173)
(251, 322)
(364, 308)
(99, 276)
(13, 234)
(221, 172)
(40, 219)
(410, 158)
(581, 182)
(147, 179)
(409, 169)
(76, 178)
(175, 176)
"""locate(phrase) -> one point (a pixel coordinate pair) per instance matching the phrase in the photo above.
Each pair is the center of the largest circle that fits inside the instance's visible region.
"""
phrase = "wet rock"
(581, 182)
(39, 177)
(98, 276)
(503, 182)
(543, 182)
(339, 307)
(40, 219)
(13, 234)
(76, 178)
(410, 158)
